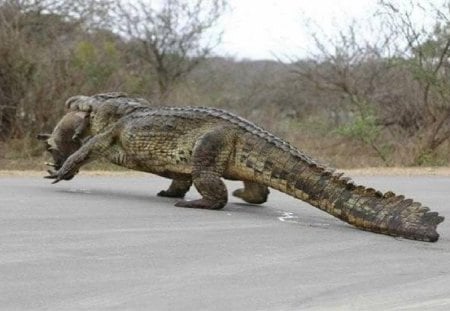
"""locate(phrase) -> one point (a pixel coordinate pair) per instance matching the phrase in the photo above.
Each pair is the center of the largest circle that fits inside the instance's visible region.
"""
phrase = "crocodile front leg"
(177, 189)
(95, 148)
(209, 159)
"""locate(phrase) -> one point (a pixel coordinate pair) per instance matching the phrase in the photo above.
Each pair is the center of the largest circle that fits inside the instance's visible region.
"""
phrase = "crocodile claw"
(53, 175)
(58, 176)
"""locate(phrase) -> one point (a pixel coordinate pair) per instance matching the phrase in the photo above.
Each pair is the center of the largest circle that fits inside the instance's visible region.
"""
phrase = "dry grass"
(38, 164)
(371, 171)
(35, 173)
(399, 171)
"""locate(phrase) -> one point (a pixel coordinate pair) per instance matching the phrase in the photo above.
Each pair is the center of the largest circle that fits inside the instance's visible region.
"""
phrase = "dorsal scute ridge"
(238, 121)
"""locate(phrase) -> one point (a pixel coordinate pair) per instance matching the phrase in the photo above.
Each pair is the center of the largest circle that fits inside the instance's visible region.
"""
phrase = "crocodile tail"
(274, 163)
(362, 207)
(379, 212)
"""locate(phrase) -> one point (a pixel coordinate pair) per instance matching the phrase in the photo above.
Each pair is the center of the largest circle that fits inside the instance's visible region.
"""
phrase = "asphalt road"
(108, 243)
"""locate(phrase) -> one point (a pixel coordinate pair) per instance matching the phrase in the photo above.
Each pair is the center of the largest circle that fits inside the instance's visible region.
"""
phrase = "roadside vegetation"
(357, 100)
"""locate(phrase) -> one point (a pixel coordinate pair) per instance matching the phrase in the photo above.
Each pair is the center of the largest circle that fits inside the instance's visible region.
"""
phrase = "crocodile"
(202, 146)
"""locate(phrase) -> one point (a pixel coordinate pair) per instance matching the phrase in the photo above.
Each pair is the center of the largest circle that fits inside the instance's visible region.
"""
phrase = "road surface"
(109, 243)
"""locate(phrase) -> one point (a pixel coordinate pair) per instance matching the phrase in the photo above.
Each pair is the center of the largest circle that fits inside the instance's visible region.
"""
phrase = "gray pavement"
(108, 243)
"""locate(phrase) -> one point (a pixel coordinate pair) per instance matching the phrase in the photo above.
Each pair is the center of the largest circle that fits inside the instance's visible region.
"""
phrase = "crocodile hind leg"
(252, 193)
(177, 189)
(210, 156)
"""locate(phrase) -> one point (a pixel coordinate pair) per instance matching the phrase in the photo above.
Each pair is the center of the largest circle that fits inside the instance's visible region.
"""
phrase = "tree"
(394, 85)
(16, 68)
(170, 38)
(424, 51)
(35, 37)
(349, 72)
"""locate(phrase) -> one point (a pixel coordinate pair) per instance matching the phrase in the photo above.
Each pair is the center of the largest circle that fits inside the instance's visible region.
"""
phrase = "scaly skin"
(204, 145)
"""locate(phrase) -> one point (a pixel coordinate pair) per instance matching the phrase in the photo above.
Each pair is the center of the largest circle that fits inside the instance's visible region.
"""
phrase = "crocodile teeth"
(50, 164)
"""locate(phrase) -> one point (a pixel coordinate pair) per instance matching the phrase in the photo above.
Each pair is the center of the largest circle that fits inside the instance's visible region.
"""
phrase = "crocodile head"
(66, 138)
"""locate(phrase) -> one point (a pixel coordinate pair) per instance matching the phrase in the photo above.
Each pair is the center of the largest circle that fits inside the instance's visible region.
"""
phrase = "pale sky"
(277, 29)
(266, 29)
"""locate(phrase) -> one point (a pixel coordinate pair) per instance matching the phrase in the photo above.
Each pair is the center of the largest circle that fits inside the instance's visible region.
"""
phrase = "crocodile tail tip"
(422, 228)
(430, 221)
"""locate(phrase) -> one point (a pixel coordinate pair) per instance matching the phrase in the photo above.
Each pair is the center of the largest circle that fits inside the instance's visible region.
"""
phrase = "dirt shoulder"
(371, 171)
(398, 171)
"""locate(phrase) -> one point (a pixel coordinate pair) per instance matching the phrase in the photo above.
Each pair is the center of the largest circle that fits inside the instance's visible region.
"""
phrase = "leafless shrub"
(392, 87)
(171, 38)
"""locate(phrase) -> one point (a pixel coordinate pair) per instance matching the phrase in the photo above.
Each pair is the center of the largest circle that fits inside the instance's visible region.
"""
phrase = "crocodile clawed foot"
(249, 197)
(201, 203)
(57, 176)
(53, 175)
